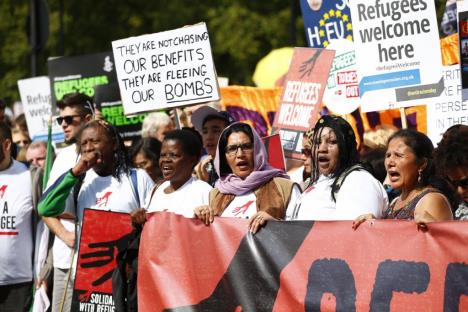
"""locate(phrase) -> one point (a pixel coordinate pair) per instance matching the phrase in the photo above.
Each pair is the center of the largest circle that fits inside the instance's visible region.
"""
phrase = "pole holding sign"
(167, 69)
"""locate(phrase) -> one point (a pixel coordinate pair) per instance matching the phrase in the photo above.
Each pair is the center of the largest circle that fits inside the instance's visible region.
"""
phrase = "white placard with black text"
(167, 69)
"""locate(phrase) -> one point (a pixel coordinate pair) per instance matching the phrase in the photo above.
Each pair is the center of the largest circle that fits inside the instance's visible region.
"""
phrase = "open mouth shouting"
(167, 171)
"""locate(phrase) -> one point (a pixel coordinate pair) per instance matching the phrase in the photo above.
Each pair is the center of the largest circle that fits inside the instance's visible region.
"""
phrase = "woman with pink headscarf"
(248, 186)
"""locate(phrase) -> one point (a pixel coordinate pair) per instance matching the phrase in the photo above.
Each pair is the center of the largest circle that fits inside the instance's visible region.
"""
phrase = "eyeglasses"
(463, 183)
(68, 119)
(232, 149)
(306, 152)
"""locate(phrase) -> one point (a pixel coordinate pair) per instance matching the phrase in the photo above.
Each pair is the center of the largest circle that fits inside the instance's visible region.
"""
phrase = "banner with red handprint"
(103, 235)
(302, 96)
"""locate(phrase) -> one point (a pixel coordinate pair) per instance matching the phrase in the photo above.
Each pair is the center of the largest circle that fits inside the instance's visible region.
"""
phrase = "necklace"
(404, 203)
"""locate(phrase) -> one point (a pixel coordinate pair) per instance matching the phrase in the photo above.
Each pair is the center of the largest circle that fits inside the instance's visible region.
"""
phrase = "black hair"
(223, 139)
(122, 162)
(197, 134)
(452, 151)
(374, 161)
(191, 144)
(80, 101)
(347, 147)
(5, 131)
(151, 147)
(422, 148)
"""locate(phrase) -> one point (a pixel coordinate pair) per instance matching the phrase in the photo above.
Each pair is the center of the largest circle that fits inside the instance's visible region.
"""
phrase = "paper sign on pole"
(36, 99)
(448, 109)
(167, 69)
(79, 74)
(302, 96)
(325, 21)
(342, 93)
(397, 52)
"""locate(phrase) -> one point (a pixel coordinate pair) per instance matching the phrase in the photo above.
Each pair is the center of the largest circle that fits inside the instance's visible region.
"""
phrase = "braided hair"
(347, 148)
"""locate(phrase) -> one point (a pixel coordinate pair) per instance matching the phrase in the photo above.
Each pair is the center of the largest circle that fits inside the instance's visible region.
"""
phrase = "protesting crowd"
(154, 185)
(213, 167)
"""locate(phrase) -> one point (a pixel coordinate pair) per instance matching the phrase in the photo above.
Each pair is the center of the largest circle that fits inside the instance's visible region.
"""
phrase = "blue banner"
(389, 80)
(325, 21)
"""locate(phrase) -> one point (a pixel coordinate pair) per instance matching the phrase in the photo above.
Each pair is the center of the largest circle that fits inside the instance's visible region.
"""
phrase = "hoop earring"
(419, 176)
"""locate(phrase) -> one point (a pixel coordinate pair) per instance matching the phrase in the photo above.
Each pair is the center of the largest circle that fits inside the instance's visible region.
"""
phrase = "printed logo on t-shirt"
(7, 221)
(102, 201)
(242, 209)
(2, 190)
(310, 188)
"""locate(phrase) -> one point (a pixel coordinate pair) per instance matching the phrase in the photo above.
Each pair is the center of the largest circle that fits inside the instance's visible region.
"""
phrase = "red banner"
(301, 266)
(103, 235)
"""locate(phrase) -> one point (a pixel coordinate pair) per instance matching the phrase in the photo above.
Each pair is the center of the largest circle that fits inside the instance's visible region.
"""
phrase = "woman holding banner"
(340, 188)
(248, 186)
(411, 170)
(180, 193)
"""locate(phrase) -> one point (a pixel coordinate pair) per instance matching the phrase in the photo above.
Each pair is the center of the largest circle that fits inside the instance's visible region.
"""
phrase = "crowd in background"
(212, 167)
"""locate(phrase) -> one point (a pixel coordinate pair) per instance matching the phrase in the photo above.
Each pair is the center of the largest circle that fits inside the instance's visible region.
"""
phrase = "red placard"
(103, 234)
(301, 266)
(302, 94)
(275, 151)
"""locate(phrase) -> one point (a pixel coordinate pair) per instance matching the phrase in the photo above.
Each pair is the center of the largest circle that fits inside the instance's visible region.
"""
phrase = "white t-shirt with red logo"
(183, 201)
(359, 194)
(245, 205)
(16, 241)
(107, 193)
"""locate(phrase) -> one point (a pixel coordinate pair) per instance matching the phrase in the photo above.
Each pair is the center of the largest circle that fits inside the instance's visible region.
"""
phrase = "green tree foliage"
(241, 31)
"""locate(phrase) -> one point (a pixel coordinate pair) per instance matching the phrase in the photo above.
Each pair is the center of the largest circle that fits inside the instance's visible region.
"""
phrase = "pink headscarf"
(262, 173)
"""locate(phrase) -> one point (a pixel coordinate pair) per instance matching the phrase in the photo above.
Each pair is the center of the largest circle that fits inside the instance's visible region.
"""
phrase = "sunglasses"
(463, 183)
(306, 152)
(245, 147)
(68, 119)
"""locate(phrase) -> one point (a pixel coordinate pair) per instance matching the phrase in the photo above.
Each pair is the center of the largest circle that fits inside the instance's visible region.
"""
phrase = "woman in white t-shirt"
(180, 193)
(340, 188)
(248, 186)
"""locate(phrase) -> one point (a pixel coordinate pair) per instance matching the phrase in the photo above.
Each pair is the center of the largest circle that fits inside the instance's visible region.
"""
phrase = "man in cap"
(209, 123)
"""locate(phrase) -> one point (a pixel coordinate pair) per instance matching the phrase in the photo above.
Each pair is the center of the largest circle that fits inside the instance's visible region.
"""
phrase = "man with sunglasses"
(75, 110)
(451, 159)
